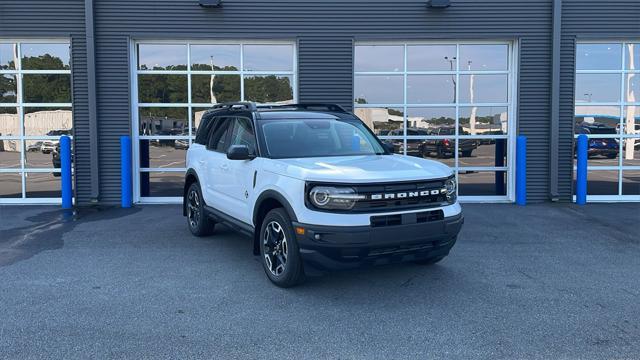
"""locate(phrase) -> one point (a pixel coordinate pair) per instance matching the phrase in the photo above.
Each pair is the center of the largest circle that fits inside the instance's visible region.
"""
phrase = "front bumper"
(344, 247)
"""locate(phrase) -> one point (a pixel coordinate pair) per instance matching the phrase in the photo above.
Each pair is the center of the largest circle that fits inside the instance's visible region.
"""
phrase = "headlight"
(334, 198)
(451, 186)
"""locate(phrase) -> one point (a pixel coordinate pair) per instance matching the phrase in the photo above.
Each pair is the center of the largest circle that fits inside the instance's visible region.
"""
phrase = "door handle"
(224, 167)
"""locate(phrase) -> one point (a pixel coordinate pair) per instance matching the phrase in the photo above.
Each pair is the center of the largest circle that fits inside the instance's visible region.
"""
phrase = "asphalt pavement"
(548, 281)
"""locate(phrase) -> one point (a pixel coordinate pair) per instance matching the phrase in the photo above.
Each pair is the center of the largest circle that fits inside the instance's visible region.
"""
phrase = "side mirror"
(239, 152)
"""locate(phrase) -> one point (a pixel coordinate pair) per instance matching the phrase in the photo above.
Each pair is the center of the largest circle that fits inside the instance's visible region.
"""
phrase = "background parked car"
(607, 147)
(446, 147)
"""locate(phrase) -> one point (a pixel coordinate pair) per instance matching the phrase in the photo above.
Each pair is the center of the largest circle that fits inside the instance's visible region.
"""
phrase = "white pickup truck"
(314, 187)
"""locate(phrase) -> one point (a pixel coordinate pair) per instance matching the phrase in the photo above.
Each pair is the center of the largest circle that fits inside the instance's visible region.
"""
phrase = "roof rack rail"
(306, 106)
(238, 105)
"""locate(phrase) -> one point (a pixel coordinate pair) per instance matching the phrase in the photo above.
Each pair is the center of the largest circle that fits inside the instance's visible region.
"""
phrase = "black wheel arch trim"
(189, 172)
(272, 194)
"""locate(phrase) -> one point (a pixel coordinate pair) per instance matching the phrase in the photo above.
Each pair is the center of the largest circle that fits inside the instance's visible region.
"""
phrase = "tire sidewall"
(290, 274)
(201, 218)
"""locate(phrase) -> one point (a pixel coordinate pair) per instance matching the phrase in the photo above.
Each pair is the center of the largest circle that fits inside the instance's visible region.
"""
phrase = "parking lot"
(550, 281)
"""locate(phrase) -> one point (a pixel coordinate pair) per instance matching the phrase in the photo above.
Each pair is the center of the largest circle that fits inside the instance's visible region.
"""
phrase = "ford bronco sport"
(314, 187)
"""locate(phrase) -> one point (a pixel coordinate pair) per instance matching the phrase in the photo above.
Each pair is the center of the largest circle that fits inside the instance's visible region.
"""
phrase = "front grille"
(435, 198)
(396, 219)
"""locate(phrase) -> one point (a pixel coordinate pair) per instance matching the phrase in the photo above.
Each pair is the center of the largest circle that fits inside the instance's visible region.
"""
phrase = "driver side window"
(243, 134)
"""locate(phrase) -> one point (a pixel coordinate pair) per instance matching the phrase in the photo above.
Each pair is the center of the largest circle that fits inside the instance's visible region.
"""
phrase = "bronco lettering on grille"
(407, 194)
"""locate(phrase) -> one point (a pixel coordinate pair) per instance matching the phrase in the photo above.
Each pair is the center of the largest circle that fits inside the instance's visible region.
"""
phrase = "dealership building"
(454, 81)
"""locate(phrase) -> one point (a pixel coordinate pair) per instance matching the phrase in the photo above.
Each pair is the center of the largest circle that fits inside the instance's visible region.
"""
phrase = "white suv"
(314, 187)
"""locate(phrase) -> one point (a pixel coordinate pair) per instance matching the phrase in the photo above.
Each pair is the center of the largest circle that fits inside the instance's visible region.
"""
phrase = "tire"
(612, 156)
(429, 261)
(199, 223)
(440, 153)
(467, 153)
(279, 252)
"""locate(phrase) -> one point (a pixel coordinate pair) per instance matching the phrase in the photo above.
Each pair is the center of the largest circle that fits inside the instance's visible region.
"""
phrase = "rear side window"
(218, 139)
(204, 128)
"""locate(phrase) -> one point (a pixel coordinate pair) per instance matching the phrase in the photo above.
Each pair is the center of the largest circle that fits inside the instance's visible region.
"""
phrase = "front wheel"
(279, 250)
(199, 223)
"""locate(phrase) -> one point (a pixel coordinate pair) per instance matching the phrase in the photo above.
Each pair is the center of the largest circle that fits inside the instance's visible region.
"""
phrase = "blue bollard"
(125, 171)
(581, 172)
(521, 170)
(65, 172)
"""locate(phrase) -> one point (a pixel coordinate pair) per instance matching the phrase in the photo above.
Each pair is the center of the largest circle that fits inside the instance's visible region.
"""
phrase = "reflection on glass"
(482, 152)
(483, 120)
(477, 183)
(196, 116)
(602, 182)
(379, 58)
(431, 58)
(155, 88)
(163, 153)
(10, 185)
(49, 88)
(268, 57)
(47, 157)
(383, 121)
(632, 88)
(484, 57)
(431, 118)
(9, 121)
(215, 57)
(378, 89)
(162, 57)
(215, 88)
(48, 121)
(163, 121)
(8, 56)
(443, 149)
(268, 89)
(45, 56)
(42, 185)
(597, 119)
(396, 144)
(8, 88)
(9, 154)
(601, 152)
(161, 184)
(631, 151)
(598, 56)
(630, 182)
(597, 88)
(476, 89)
(431, 89)
(632, 56)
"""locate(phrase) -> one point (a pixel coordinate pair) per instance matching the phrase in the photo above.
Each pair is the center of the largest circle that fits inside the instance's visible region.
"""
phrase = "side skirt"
(219, 216)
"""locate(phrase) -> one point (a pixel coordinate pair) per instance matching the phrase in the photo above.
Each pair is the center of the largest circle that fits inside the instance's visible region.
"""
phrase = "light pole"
(211, 95)
(453, 76)
(474, 109)
(630, 143)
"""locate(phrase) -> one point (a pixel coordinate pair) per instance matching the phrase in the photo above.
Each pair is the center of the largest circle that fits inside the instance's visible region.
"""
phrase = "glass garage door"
(449, 102)
(35, 110)
(176, 82)
(607, 110)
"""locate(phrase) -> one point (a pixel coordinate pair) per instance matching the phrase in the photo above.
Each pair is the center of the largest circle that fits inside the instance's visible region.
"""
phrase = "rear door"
(215, 164)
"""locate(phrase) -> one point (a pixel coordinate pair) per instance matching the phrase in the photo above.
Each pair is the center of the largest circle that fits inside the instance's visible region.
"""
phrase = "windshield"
(288, 138)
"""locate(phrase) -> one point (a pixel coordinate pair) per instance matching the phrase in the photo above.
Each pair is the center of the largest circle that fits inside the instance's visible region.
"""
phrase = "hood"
(359, 169)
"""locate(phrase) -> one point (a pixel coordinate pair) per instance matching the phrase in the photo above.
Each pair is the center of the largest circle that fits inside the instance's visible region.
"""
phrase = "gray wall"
(325, 31)
(587, 20)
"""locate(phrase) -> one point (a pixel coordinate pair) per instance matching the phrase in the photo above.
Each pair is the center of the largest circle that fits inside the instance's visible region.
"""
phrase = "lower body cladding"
(389, 239)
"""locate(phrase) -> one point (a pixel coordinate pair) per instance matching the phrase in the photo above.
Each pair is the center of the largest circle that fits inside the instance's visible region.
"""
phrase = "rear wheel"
(612, 156)
(199, 223)
(467, 153)
(279, 250)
